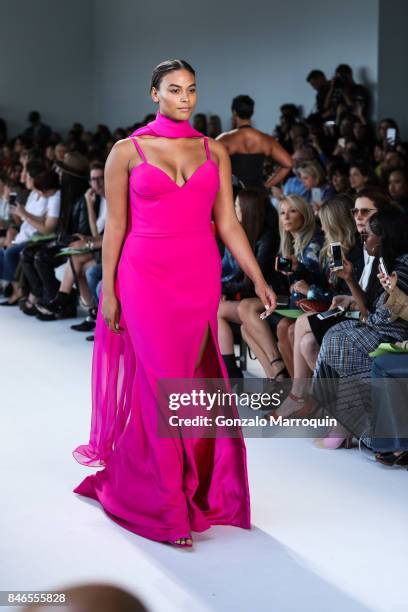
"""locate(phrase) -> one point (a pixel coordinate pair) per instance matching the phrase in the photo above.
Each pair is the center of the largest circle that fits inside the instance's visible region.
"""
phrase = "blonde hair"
(338, 225)
(314, 170)
(295, 245)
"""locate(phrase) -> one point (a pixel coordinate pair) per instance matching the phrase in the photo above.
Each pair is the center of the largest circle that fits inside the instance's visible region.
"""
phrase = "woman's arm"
(281, 157)
(357, 293)
(231, 232)
(43, 224)
(90, 199)
(116, 190)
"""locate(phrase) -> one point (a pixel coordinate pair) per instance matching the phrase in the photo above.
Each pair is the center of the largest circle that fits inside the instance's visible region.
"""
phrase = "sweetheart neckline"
(169, 177)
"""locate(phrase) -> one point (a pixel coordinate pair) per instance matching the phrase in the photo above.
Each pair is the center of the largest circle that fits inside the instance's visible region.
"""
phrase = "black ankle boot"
(231, 364)
(57, 303)
(63, 306)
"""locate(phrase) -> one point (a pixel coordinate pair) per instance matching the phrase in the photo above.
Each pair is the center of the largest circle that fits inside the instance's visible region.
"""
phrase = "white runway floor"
(329, 527)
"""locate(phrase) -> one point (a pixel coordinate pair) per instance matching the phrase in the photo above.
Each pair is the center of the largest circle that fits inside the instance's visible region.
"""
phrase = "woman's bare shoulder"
(218, 150)
(122, 152)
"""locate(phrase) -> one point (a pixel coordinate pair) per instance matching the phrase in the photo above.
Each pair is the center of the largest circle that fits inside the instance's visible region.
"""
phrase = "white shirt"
(54, 204)
(365, 276)
(101, 220)
(36, 205)
(4, 209)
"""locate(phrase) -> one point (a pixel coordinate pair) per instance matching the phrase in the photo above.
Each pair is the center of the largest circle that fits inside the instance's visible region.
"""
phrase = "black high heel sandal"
(392, 460)
(281, 371)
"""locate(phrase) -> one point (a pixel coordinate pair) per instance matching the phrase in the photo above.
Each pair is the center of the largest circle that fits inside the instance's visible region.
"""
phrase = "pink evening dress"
(168, 284)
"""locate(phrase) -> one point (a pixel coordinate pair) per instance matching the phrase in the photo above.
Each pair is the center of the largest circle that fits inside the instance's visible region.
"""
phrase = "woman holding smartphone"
(301, 241)
(157, 319)
(344, 358)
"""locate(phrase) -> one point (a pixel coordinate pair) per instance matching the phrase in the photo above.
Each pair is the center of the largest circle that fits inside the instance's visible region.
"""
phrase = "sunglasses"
(364, 212)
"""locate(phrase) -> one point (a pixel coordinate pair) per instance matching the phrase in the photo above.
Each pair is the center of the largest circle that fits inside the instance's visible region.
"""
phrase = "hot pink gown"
(168, 284)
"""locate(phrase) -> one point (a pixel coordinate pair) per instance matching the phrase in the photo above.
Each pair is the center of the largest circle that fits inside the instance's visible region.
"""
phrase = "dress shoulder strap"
(139, 149)
(207, 149)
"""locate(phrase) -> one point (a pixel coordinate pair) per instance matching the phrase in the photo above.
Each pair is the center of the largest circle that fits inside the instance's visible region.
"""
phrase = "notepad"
(386, 347)
(290, 313)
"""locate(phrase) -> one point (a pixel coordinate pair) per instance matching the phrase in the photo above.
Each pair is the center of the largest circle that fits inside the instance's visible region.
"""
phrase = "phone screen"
(12, 198)
(391, 136)
(317, 195)
(283, 264)
(336, 255)
(333, 312)
(382, 267)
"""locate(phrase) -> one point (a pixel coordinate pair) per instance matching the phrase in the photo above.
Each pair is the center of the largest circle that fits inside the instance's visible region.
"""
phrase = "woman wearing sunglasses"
(344, 362)
(310, 330)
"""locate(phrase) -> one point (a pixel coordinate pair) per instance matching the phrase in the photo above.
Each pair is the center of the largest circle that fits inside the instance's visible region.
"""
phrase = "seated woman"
(253, 210)
(301, 242)
(319, 190)
(39, 215)
(344, 360)
(338, 226)
(75, 270)
(309, 330)
(390, 400)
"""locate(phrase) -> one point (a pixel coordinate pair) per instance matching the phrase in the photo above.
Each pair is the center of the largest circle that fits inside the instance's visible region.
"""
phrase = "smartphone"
(265, 314)
(352, 314)
(281, 300)
(283, 264)
(337, 255)
(391, 136)
(333, 312)
(382, 267)
(316, 195)
(12, 198)
(341, 142)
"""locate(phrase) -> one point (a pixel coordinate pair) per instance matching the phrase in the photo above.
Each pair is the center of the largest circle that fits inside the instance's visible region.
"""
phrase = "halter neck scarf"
(168, 128)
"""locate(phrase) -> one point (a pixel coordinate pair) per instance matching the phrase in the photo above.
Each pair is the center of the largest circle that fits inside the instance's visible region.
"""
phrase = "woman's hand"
(344, 301)
(90, 197)
(347, 272)
(277, 192)
(111, 313)
(267, 296)
(388, 283)
(300, 286)
(17, 209)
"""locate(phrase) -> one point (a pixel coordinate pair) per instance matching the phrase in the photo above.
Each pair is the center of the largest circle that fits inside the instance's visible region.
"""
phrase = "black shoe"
(13, 303)
(59, 302)
(85, 326)
(30, 311)
(69, 311)
(90, 338)
(8, 290)
(89, 323)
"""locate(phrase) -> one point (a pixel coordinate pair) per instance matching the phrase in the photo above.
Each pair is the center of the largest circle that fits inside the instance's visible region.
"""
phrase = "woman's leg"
(258, 335)
(228, 312)
(68, 279)
(93, 274)
(11, 258)
(285, 333)
(303, 344)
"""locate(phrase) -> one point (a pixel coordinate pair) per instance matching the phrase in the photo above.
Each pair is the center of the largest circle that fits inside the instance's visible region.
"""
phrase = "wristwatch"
(90, 244)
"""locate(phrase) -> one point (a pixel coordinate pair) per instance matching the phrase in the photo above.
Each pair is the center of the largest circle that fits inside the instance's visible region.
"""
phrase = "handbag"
(312, 305)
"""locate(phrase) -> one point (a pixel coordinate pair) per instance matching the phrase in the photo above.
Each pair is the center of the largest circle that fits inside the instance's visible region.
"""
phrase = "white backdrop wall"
(263, 48)
(46, 61)
(91, 60)
(392, 68)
